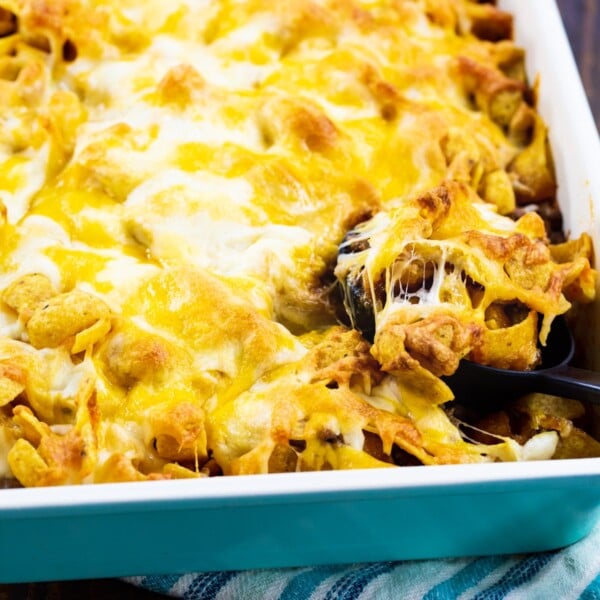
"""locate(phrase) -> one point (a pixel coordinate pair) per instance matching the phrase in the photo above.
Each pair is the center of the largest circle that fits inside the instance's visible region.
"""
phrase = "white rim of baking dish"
(563, 104)
(417, 479)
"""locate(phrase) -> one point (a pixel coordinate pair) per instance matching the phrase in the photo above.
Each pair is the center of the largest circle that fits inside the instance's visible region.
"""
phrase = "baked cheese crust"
(186, 187)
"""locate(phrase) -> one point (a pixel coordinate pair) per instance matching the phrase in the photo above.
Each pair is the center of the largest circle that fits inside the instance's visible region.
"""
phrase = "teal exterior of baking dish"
(295, 519)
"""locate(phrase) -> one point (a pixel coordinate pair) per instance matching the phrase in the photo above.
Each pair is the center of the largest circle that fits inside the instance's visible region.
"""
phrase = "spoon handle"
(571, 382)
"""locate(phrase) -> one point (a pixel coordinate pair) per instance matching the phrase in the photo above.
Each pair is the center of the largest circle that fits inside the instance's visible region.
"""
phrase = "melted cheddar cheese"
(177, 180)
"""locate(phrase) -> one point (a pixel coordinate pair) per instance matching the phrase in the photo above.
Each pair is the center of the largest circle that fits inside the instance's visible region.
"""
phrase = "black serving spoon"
(474, 383)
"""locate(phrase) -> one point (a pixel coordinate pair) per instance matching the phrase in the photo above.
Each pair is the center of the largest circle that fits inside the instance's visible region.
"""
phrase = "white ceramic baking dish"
(334, 517)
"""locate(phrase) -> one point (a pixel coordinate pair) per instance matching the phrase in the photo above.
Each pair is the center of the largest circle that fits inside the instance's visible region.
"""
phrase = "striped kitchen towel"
(571, 573)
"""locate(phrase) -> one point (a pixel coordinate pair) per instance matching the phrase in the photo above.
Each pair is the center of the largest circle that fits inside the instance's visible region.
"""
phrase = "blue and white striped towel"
(571, 573)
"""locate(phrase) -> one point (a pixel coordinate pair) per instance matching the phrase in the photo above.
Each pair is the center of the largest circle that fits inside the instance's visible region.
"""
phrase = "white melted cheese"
(32, 175)
(369, 231)
(117, 83)
(67, 377)
(250, 32)
(342, 112)
(154, 13)
(11, 326)
(489, 212)
(110, 83)
(36, 234)
(439, 261)
(126, 438)
(227, 247)
(541, 446)
(428, 294)
(12, 128)
(174, 130)
(154, 155)
(125, 275)
(196, 226)
(200, 189)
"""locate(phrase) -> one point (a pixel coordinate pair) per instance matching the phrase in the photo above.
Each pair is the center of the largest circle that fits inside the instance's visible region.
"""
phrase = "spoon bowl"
(474, 383)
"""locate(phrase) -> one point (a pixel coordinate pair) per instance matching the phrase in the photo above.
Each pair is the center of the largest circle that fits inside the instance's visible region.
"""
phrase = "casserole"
(351, 486)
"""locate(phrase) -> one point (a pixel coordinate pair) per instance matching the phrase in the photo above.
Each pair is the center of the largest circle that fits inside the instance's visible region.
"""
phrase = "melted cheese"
(22, 178)
(180, 175)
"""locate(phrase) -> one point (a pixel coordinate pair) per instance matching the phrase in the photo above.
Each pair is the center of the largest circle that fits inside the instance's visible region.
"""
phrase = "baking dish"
(311, 518)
